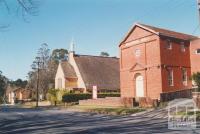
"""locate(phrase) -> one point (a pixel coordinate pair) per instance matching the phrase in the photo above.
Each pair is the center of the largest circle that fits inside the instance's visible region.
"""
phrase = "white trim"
(81, 83)
(141, 26)
(60, 75)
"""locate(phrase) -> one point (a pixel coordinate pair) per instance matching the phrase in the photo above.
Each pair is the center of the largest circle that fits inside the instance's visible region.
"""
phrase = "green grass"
(107, 110)
(116, 111)
(190, 113)
(94, 109)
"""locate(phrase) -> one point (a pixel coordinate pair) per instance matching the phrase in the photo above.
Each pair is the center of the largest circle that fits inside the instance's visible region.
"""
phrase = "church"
(157, 63)
(84, 72)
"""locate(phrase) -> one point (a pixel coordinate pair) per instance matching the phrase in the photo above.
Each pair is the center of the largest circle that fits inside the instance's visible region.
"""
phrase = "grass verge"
(107, 110)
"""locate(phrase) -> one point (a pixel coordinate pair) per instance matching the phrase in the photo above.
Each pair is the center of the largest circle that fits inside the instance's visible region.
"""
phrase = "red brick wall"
(195, 58)
(147, 67)
(109, 102)
(152, 64)
(175, 59)
(137, 34)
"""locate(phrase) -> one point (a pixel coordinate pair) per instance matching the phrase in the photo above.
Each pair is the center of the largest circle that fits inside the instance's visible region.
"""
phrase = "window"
(198, 51)
(182, 47)
(137, 52)
(184, 76)
(170, 77)
(59, 83)
(168, 44)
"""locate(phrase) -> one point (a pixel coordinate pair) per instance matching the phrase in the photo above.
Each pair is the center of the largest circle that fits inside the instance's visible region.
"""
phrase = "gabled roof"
(100, 71)
(161, 32)
(68, 70)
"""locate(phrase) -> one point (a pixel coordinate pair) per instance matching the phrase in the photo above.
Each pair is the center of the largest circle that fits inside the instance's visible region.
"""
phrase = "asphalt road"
(41, 121)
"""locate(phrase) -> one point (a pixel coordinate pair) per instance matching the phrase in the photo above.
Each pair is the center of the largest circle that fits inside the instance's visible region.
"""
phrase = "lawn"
(108, 110)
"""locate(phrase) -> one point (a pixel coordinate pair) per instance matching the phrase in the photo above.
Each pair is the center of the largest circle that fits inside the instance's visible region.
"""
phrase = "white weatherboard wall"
(72, 61)
(60, 75)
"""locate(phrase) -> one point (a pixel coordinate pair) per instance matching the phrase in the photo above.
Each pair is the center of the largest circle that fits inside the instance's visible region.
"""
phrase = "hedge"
(75, 97)
(104, 95)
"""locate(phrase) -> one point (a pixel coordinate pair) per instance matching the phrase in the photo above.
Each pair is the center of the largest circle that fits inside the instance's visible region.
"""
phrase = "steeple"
(71, 50)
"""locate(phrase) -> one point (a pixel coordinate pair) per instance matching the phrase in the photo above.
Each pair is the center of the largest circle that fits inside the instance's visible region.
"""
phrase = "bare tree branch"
(6, 5)
(24, 8)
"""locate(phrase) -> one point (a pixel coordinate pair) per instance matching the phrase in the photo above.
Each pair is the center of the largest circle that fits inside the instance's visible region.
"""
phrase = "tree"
(105, 54)
(43, 57)
(59, 54)
(19, 83)
(53, 96)
(196, 78)
(3, 86)
(48, 68)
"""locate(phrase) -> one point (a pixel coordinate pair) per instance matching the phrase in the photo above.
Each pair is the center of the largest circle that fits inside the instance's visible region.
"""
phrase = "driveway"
(41, 121)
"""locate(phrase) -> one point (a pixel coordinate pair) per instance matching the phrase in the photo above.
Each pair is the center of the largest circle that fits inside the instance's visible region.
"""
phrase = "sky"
(95, 26)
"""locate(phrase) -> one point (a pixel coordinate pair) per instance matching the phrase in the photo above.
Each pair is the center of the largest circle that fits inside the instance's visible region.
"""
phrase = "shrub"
(196, 78)
(75, 97)
(55, 95)
(104, 95)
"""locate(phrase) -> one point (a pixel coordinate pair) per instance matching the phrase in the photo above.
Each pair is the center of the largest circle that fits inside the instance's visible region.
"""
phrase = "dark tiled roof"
(100, 71)
(169, 33)
(68, 70)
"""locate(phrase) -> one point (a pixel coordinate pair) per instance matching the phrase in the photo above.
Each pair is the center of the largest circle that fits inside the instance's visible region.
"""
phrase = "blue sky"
(95, 25)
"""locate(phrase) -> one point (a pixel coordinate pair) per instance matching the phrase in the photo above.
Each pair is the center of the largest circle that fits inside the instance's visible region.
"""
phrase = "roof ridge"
(149, 26)
(96, 56)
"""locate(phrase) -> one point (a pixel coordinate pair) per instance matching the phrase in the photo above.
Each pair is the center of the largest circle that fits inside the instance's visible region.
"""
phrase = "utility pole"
(38, 63)
(198, 2)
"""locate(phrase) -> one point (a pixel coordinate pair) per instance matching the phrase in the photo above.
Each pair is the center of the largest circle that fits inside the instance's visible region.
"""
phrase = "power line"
(154, 11)
(148, 12)
(196, 28)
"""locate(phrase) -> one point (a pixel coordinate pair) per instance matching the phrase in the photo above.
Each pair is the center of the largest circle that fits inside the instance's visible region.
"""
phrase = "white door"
(139, 86)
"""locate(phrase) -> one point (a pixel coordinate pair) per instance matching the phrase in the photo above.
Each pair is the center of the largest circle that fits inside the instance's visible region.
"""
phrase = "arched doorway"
(139, 82)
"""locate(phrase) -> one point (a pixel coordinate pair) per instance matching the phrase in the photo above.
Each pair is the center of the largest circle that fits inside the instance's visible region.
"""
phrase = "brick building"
(155, 61)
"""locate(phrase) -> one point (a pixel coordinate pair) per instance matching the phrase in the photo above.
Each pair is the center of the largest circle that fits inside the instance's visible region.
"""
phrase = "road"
(41, 121)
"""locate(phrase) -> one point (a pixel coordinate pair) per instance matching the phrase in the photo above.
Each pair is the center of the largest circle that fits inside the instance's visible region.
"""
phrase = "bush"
(104, 95)
(196, 78)
(55, 95)
(75, 97)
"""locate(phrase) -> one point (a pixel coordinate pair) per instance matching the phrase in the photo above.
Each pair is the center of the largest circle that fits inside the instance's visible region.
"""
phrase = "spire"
(72, 46)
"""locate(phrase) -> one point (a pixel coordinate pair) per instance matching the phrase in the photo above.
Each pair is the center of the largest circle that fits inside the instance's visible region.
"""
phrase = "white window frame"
(183, 47)
(196, 51)
(170, 79)
(184, 75)
(168, 44)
